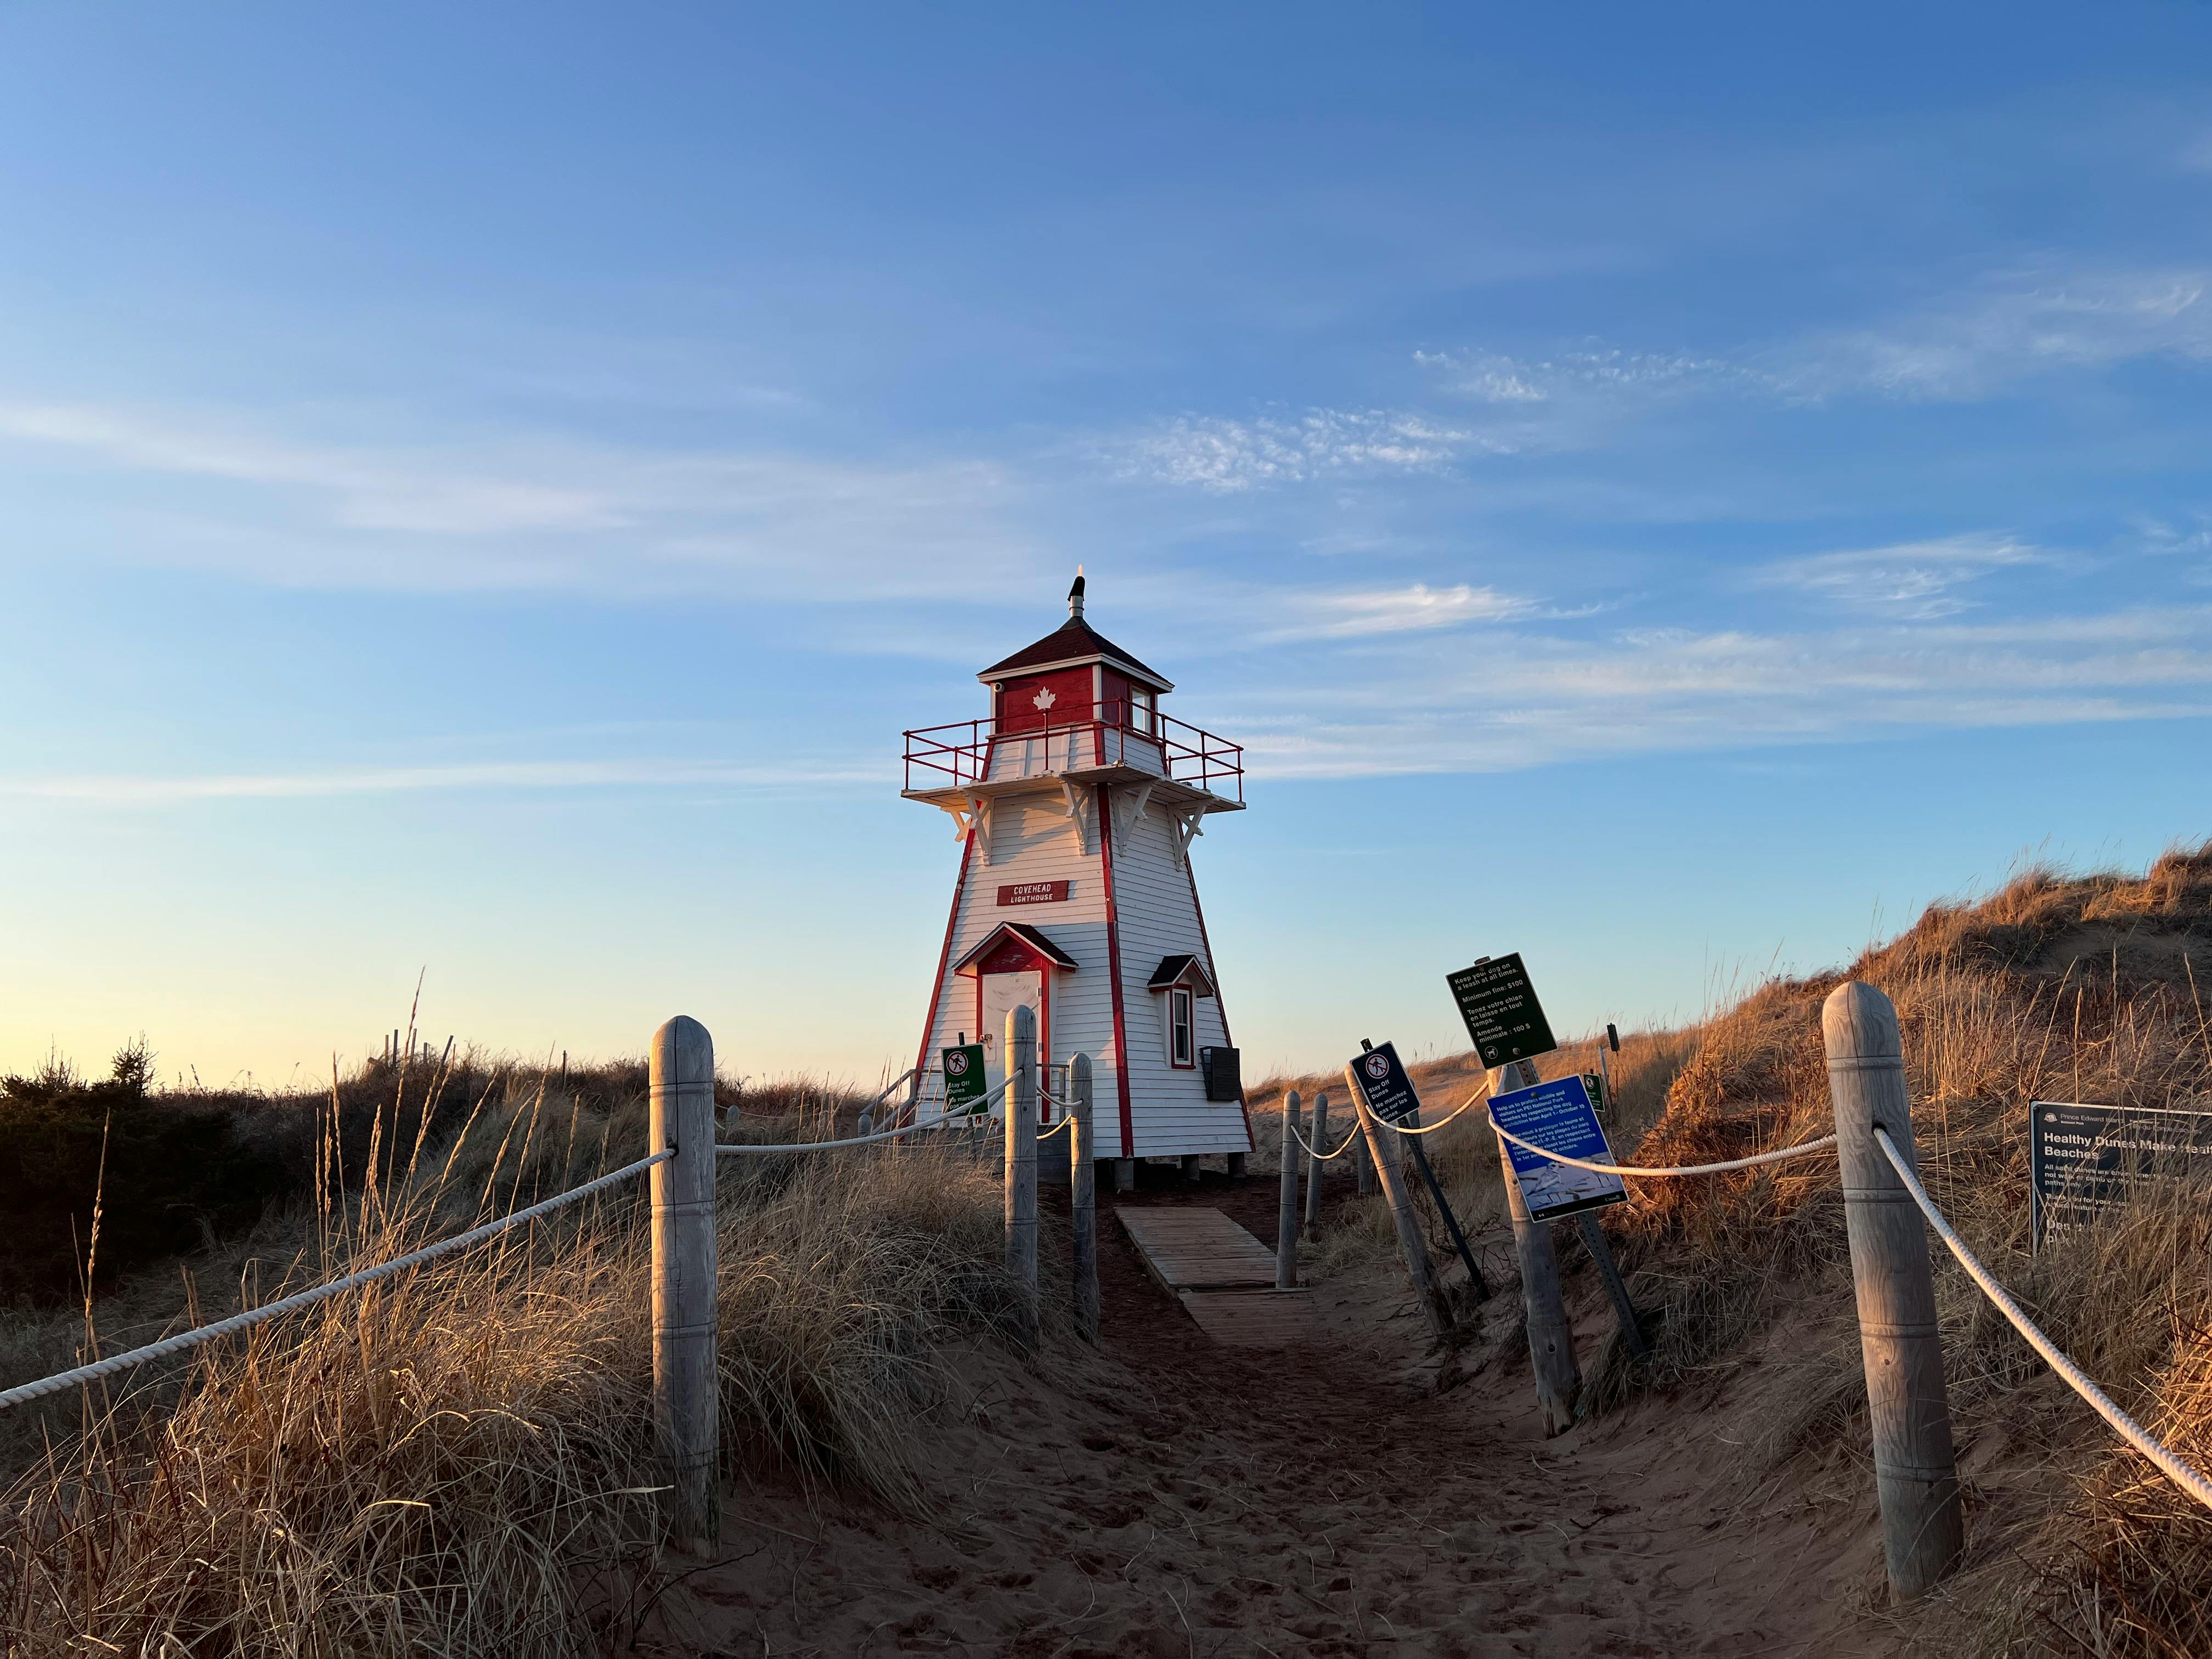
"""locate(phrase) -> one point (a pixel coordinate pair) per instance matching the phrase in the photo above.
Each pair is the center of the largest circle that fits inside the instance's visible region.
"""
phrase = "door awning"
(1017, 940)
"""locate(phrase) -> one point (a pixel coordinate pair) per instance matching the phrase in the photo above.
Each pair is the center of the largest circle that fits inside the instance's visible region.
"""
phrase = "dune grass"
(2094, 988)
(458, 1459)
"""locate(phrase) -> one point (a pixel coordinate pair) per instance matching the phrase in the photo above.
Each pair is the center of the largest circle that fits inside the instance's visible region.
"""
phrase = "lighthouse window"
(1183, 1043)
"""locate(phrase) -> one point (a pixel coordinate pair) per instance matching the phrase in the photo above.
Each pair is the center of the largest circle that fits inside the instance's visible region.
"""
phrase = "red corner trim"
(1114, 971)
(1214, 972)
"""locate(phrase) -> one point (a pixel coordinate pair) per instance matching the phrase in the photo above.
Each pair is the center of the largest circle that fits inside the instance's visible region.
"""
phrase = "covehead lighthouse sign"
(1034, 892)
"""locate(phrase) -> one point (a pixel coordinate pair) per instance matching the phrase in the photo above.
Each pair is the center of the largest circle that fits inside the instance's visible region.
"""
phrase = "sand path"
(1170, 1497)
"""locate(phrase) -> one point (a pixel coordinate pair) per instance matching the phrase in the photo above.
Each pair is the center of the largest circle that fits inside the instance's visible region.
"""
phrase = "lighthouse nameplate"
(1034, 892)
(1501, 1011)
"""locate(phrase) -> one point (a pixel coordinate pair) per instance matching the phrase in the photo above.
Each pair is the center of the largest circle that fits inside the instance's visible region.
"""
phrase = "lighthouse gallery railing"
(960, 753)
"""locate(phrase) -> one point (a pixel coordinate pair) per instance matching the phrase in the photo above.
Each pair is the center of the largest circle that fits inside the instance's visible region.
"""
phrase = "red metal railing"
(953, 755)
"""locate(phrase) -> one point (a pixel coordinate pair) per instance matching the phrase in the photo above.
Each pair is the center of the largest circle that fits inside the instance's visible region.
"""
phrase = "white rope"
(1755, 1159)
(1047, 1134)
(179, 1344)
(2179, 1473)
(1430, 1128)
(760, 1148)
(1308, 1145)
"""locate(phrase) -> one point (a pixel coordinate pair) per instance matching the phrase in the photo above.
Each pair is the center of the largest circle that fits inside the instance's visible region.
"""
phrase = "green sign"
(965, 1086)
(1595, 1082)
(1501, 1011)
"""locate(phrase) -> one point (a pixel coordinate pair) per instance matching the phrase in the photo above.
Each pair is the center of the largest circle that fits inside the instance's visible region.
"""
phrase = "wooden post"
(1551, 1339)
(1083, 1201)
(1286, 1201)
(1916, 1479)
(1624, 1310)
(1382, 1152)
(1125, 1175)
(1315, 1164)
(1021, 1189)
(1235, 1166)
(1365, 1166)
(1023, 1164)
(1190, 1168)
(686, 1386)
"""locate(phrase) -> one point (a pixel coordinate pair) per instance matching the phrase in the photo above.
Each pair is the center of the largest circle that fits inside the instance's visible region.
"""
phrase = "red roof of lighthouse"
(1074, 642)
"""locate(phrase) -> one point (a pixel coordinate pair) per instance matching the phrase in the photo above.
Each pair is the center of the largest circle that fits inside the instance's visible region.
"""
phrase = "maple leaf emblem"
(1045, 699)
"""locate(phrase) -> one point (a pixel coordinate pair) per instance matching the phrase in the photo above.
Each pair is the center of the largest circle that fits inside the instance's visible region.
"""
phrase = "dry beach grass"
(456, 1460)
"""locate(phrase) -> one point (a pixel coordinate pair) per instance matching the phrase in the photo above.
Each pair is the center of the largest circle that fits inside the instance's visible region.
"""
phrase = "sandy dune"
(1169, 1497)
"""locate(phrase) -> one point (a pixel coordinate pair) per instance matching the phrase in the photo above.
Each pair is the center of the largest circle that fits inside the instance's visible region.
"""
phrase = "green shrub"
(168, 1177)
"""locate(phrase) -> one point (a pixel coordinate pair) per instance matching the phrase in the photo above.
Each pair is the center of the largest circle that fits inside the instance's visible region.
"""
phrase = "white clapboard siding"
(1032, 840)
(1157, 910)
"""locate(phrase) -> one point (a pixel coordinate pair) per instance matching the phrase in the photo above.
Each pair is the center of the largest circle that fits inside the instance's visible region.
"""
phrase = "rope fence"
(1916, 1482)
(2182, 1474)
(1722, 1168)
(1323, 1157)
(185, 1341)
(685, 1230)
(766, 1148)
(1465, 1106)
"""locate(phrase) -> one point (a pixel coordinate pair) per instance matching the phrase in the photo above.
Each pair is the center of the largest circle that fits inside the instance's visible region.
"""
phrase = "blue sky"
(482, 489)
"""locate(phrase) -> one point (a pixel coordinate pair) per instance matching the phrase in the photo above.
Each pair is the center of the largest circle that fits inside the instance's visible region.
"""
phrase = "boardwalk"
(1223, 1277)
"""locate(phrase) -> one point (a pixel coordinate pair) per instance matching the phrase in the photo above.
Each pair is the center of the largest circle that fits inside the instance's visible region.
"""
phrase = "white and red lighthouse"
(1076, 803)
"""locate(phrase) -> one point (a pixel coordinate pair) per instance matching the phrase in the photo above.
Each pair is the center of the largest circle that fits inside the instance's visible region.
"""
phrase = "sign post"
(1561, 1117)
(1392, 1099)
(1507, 1025)
(1374, 1069)
(965, 1084)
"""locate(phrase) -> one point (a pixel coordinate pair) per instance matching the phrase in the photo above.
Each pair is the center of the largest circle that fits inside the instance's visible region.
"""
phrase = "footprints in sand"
(1160, 1497)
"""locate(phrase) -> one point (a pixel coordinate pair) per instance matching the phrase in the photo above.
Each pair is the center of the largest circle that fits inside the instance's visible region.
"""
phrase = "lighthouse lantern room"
(1076, 802)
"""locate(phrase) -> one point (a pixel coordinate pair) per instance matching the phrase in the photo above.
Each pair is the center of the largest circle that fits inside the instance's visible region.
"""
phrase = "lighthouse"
(1076, 801)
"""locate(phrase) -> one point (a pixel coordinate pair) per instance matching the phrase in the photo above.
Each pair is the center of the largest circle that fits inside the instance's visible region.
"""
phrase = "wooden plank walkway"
(1223, 1277)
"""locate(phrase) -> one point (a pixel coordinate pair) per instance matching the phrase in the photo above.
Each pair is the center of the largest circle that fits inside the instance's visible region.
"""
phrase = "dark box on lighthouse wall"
(1224, 1080)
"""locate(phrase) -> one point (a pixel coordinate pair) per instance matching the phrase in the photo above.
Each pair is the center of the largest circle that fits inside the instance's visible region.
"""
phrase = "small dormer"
(1176, 985)
(1073, 675)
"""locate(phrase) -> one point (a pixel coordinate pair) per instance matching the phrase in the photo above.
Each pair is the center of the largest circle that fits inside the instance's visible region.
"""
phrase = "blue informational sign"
(1558, 1117)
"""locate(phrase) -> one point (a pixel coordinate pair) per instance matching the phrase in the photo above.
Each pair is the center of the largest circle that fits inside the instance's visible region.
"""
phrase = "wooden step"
(1190, 1248)
(1253, 1319)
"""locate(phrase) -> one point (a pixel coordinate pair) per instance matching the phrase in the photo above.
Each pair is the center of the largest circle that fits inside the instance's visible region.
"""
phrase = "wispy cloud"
(544, 512)
(157, 790)
(1397, 611)
(1496, 378)
(1976, 342)
(2009, 328)
(1527, 700)
(1225, 455)
(1911, 580)
(366, 489)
